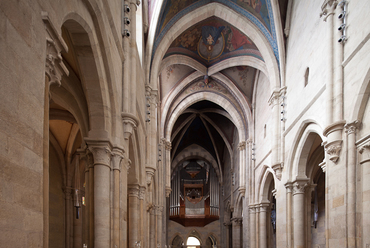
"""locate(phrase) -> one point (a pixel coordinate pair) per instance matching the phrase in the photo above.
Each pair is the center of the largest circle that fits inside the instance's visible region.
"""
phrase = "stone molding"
(142, 191)
(237, 221)
(130, 123)
(242, 190)
(327, 8)
(252, 209)
(54, 66)
(333, 145)
(323, 166)
(299, 186)
(274, 98)
(168, 191)
(264, 206)
(149, 174)
(242, 146)
(278, 169)
(364, 150)
(274, 192)
(167, 144)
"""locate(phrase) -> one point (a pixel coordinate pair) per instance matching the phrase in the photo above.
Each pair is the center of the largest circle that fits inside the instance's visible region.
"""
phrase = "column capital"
(167, 144)
(263, 206)
(101, 151)
(130, 123)
(54, 66)
(117, 157)
(363, 147)
(237, 221)
(142, 191)
(327, 8)
(350, 128)
(274, 98)
(149, 174)
(289, 187)
(252, 209)
(242, 146)
(133, 190)
(333, 145)
(168, 191)
(299, 186)
(278, 168)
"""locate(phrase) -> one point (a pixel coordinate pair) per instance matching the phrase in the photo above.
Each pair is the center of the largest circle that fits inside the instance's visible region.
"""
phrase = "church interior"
(185, 124)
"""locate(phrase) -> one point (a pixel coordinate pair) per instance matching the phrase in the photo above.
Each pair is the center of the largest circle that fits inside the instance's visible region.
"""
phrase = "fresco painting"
(258, 8)
(211, 41)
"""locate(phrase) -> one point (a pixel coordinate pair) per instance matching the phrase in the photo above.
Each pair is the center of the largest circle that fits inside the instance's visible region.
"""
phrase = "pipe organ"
(195, 196)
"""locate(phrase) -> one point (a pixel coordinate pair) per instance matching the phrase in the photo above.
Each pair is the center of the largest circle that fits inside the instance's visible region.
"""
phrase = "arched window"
(192, 242)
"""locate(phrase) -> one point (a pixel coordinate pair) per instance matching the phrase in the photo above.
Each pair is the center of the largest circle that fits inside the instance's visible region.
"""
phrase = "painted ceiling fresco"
(211, 41)
(258, 12)
(257, 8)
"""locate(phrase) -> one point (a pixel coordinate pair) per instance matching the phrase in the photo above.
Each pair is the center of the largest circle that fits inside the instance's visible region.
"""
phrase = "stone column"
(289, 222)
(159, 213)
(134, 215)
(274, 104)
(168, 147)
(252, 224)
(263, 225)
(364, 158)
(299, 187)
(117, 156)
(236, 226)
(242, 166)
(351, 181)
(68, 195)
(101, 151)
(85, 208)
(124, 208)
(90, 198)
(143, 220)
(152, 225)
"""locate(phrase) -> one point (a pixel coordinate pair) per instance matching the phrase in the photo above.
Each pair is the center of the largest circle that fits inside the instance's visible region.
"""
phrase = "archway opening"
(193, 242)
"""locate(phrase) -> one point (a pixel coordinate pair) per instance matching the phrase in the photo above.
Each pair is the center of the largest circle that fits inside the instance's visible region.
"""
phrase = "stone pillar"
(134, 215)
(152, 226)
(242, 167)
(274, 104)
(90, 201)
(101, 151)
(289, 222)
(117, 156)
(351, 180)
(263, 225)
(143, 220)
(159, 213)
(236, 226)
(252, 224)
(124, 208)
(364, 158)
(299, 187)
(328, 11)
(167, 168)
(85, 208)
(68, 195)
